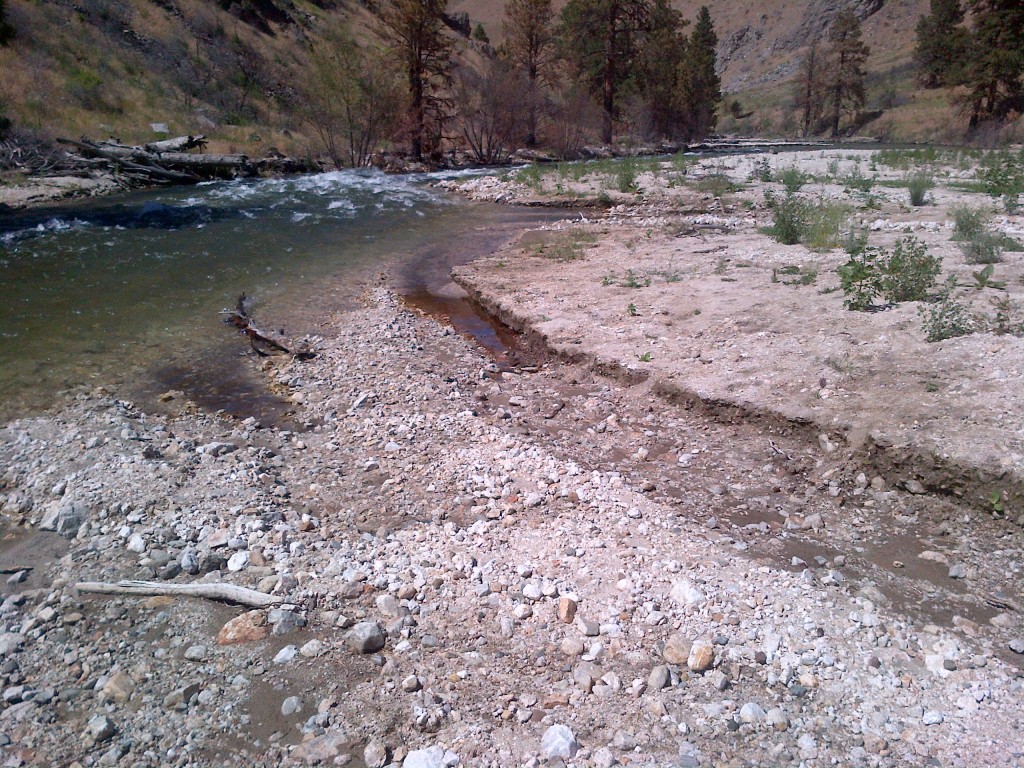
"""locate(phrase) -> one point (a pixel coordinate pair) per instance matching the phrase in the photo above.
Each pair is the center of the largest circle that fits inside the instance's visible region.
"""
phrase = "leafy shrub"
(824, 225)
(792, 179)
(910, 271)
(1002, 176)
(986, 247)
(789, 217)
(855, 181)
(968, 222)
(918, 184)
(717, 184)
(906, 274)
(625, 176)
(947, 318)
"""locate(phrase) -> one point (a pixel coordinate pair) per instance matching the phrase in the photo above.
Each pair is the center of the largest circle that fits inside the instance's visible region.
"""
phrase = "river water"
(126, 291)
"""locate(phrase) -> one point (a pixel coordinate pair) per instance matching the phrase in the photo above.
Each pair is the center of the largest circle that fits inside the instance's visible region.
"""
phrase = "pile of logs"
(170, 162)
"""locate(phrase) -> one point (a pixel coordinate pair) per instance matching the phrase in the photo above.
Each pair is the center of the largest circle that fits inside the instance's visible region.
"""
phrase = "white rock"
(685, 592)
(751, 712)
(558, 741)
(238, 561)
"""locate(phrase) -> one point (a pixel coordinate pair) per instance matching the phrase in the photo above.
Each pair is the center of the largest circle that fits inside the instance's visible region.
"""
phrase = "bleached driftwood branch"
(228, 593)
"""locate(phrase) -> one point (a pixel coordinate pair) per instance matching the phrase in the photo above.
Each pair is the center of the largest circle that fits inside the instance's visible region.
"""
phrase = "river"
(126, 291)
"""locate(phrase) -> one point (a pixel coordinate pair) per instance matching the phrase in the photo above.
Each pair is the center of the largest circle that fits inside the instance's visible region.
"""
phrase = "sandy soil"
(686, 291)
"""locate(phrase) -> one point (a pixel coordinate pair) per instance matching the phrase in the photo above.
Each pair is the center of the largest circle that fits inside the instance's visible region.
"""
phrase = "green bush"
(905, 274)
(793, 179)
(861, 280)
(762, 170)
(824, 225)
(986, 247)
(910, 271)
(625, 176)
(968, 222)
(1002, 176)
(947, 318)
(789, 217)
(918, 185)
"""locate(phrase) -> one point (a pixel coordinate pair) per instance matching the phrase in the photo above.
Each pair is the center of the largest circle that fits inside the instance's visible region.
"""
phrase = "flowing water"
(127, 291)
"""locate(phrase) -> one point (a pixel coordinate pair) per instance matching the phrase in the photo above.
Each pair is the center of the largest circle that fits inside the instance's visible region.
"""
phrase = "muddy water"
(126, 292)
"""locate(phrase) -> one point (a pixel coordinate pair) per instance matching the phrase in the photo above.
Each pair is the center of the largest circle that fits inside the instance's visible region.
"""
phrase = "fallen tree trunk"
(228, 593)
(170, 163)
(179, 144)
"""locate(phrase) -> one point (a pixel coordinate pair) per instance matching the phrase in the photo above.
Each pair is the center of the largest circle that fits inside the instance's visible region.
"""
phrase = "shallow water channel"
(127, 291)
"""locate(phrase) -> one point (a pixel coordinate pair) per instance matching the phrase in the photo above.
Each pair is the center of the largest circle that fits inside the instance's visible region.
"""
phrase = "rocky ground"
(490, 562)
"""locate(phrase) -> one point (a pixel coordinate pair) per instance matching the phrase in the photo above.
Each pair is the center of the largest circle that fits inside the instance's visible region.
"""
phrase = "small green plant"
(909, 271)
(566, 246)
(762, 170)
(855, 181)
(793, 179)
(833, 168)
(631, 310)
(996, 500)
(918, 185)
(824, 225)
(861, 280)
(530, 176)
(947, 318)
(604, 200)
(646, 357)
(634, 280)
(983, 279)
(854, 241)
(1007, 319)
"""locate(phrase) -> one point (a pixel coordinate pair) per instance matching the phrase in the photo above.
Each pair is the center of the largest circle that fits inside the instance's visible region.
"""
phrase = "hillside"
(116, 67)
(231, 70)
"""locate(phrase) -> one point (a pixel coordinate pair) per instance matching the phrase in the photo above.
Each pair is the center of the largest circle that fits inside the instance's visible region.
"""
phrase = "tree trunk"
(609, 76)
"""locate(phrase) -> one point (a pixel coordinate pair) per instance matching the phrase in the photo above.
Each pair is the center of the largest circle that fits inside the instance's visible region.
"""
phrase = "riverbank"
(493, 565)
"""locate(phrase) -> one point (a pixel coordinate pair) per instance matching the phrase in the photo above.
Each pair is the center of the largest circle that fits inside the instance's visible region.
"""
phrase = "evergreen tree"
(701, 85)
(847, 56)
(601, 42)
(6, 30)
(662, 66)
(809, 92)
(996, 64)
(415, 31)
(942, 41)
(530, 46)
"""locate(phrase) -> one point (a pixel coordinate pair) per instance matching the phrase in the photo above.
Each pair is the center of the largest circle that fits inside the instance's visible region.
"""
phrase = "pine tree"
(809, 91)
(701, 85)
(847, 56)
(661, 64)
(415, 31)
(996, 63)
(601, 42)
(942, 41)
(530, 46)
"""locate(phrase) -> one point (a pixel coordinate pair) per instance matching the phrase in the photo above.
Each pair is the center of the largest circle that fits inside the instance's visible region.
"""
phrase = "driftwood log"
(170, 162)
(264, 343)
(227, 593)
